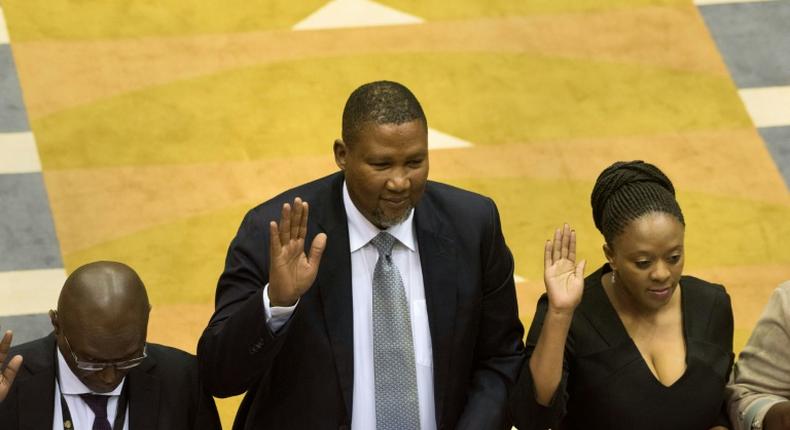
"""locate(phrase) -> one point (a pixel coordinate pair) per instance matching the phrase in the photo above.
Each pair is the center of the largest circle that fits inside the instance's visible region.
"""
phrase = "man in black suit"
(410, 320)
(96, 369)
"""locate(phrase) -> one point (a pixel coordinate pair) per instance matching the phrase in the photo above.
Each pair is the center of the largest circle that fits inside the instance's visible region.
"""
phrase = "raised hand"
(9, 372)
(291, 271)
(564, 278)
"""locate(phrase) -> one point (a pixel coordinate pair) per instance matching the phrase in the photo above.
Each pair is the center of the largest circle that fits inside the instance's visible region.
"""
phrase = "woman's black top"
(606, 383)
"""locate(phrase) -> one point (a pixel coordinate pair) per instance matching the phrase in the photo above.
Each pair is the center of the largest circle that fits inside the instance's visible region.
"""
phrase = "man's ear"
(341, 152)
(53, 318)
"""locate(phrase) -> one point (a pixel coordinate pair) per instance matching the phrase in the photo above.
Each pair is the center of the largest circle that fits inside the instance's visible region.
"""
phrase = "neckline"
(621, 326)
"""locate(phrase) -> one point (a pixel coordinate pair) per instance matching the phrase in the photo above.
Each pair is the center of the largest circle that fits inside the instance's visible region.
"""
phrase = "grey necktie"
(397, 405)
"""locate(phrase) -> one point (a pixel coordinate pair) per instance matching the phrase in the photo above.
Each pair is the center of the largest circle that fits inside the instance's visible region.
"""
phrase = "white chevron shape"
(439, 140)
(30, 291)
(3, 29)
(355, 13)
(19, 153)
(768, 106)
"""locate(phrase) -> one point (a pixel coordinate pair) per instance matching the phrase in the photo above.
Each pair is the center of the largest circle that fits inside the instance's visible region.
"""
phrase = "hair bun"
(624, 175)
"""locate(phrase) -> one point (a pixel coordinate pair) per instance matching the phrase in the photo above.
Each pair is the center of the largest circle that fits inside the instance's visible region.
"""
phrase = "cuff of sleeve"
(276, 316)
(752, 417)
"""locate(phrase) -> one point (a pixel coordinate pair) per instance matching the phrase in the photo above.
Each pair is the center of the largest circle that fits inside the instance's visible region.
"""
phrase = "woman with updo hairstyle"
(634, 345)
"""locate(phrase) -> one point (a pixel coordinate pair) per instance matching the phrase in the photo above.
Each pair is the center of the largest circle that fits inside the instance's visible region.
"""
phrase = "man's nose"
(399, 181)
(109, 374)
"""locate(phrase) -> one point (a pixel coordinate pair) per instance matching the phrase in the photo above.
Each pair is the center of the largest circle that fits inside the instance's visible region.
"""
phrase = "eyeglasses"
(91, 366)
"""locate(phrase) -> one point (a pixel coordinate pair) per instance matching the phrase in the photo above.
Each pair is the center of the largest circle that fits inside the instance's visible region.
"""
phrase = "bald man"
(96, 371)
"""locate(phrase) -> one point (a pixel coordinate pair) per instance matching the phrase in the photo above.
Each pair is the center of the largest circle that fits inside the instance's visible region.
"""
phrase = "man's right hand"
(291, 271)
(9, 372)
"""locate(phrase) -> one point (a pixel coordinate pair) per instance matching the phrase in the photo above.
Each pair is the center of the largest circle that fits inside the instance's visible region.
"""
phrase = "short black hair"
(380, 102)
(625, 191)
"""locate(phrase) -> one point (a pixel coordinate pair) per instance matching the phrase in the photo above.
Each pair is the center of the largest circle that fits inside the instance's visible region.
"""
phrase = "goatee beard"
(383, 222)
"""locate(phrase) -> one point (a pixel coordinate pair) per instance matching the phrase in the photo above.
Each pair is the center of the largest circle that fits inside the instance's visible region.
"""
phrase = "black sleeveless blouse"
(606, 383)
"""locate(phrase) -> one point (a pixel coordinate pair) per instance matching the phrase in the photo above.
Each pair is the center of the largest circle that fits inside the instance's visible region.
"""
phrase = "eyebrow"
(640, 253)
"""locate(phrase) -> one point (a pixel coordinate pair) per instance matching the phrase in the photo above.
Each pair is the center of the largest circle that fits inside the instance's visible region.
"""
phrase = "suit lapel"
(334, 286)
(144, 391)
(37, 392)
(438, 260)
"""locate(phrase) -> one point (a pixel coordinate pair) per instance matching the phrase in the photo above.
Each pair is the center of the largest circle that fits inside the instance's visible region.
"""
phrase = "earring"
(614, 279)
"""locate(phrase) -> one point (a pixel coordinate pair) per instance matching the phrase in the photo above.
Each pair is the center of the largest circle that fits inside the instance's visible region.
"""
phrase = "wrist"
(284, 304)
(281, 301)
(560, 313)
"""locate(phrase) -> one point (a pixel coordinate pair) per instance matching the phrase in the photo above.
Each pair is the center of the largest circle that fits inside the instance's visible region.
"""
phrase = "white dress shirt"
(406, 256)
(81, 415)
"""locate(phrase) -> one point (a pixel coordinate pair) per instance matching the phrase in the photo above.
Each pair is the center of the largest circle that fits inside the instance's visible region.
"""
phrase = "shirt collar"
(70, 384)
(361, 231)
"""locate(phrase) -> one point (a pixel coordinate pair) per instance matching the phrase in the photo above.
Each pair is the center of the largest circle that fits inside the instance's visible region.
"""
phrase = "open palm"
(564, 278)
(291, 271)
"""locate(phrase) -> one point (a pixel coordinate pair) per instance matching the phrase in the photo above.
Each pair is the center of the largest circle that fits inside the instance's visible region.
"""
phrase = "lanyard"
(120, 413)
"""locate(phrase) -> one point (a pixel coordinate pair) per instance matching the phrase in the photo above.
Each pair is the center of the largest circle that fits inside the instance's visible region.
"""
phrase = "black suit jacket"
(164, 391)
(303, 377)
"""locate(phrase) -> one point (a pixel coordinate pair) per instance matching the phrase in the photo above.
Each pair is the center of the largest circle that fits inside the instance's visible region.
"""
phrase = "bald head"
(107, 293)
(102, 317)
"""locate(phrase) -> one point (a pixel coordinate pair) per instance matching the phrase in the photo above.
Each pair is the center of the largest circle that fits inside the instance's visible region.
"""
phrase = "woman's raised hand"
(564, 278)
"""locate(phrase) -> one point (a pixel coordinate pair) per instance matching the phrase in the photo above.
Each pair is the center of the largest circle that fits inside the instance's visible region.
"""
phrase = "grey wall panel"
(27, 234)
(777, 139)
(13, 117)
(27, 327)
(754, 39)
